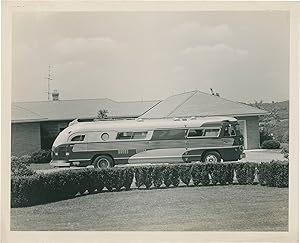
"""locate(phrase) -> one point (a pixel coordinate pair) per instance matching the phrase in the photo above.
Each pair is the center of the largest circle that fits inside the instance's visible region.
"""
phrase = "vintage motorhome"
(115, 142)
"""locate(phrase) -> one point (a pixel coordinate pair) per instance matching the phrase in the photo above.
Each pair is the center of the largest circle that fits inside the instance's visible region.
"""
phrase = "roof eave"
(28, 120)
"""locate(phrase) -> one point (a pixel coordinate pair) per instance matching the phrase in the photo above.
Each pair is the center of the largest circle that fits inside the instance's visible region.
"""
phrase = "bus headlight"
(241, 147)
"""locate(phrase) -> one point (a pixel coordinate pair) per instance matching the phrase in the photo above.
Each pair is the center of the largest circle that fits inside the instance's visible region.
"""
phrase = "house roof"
(194, 103)
(197, 103)
(72, 109)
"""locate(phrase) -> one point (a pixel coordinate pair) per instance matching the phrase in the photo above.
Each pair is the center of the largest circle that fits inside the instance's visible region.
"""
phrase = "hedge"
(271, 144)
(44, 188)
(41, 156)
(274, 174)
(20, 166)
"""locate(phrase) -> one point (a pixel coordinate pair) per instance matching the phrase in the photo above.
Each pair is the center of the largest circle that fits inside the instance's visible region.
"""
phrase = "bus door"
(77, 149)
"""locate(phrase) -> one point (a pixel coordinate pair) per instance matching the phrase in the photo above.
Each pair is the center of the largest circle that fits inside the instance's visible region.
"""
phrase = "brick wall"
(50, 130)
(25, 138)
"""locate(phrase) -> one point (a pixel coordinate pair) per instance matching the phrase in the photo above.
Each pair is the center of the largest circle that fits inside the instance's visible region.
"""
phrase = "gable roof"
(197, 103)
(72, 109)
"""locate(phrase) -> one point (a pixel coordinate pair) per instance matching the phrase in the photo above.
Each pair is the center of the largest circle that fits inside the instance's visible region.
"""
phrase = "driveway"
(263, 155)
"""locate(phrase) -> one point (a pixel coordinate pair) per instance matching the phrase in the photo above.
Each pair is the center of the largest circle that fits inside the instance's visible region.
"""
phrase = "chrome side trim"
(79, 159)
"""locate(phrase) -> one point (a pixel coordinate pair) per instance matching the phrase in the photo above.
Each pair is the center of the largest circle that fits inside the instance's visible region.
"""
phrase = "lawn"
(210, 208)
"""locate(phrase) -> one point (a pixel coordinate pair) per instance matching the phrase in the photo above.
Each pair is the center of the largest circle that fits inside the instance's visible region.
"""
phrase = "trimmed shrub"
(166, 174)
(185, 173)
(222, 173)
(274, 174)
(20, 166)
(245, 172)
(196, 173)
(41, 156)
(108, 179)
(157, 176)
(271, 144)
(118, 177)
(174, 176)
(229, 173)
(128, 178)
(262, 173)
(143, 176)
(200, 173)
(204, 176)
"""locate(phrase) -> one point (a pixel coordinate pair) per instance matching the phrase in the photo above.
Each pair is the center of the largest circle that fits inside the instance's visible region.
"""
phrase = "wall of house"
(25, 138)
(50, 130)
(252, 129)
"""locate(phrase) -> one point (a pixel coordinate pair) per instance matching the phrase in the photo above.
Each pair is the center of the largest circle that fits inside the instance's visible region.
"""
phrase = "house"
(36, 124)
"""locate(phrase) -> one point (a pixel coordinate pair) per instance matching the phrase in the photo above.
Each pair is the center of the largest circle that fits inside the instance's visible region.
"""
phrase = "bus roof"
(139, 124)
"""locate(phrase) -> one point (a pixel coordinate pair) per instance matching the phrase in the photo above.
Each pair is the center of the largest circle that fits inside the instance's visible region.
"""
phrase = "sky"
(128, 56)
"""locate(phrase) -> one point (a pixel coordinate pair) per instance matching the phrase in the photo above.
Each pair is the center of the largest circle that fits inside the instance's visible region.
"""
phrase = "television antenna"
(49, 79)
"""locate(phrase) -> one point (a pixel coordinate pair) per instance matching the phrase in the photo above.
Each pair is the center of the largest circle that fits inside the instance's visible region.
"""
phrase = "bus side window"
(78, 138)
(195, 133)
(211, 132)
(174, 134)
(124, 135)
(139, 135)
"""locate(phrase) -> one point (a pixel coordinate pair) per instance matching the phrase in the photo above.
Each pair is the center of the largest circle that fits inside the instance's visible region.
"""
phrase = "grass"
(211, 208)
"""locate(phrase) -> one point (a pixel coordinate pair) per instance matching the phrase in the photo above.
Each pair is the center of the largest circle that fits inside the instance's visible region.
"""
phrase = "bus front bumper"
(60, 163)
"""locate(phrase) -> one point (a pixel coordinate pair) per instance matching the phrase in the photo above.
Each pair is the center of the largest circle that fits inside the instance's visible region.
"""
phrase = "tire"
(212, 157)
(103, 161)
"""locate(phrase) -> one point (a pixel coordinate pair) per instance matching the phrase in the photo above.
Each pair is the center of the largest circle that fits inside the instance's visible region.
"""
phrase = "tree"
(102, 114)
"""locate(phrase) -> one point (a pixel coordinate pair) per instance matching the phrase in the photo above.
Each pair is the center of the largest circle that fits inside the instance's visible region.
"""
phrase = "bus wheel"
(103, 161)
(212, 157)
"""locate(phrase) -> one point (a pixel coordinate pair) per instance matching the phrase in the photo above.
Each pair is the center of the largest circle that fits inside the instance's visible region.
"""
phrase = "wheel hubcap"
(103, 163)
(211, 158)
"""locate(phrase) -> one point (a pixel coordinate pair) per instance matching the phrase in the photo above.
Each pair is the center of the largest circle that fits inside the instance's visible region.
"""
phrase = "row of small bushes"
(20, 166)
(38, 157)
(274, 174)
(43, 188)
(271, 144)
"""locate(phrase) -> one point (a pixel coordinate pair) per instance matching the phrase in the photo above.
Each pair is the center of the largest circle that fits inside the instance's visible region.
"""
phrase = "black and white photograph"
(151, 120)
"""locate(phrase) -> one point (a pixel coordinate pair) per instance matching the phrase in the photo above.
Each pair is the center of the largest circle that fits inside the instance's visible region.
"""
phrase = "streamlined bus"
(117, 142)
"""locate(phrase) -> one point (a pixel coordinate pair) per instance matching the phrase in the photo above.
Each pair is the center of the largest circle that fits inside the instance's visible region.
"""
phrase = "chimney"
(55, 95)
